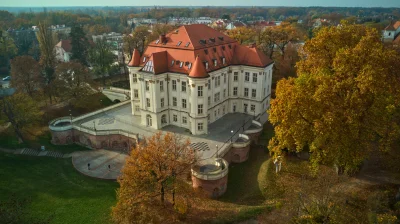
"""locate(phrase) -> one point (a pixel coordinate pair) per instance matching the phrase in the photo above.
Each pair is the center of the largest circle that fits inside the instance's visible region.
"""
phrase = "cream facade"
(193, 103)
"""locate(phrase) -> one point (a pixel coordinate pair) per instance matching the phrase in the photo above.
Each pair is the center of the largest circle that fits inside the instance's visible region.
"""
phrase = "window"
(134, 77)
(148, 102)
(235, 91)
(187, 44)
(184, 120)
(174, 85)
(215, 62)
(247, 77)
(200, 91)
(267, 88)
(216, 97)
(175, 118)
(219, 80)
(246, 92)
(172, 62)
(209, 84)
(223, 60)
(136, 93)
(234, 108)
(235, 76)
(181, 64)
(206, 64)
(253, 93)
(137, 108)
(190, 65)
(216, 82)
(148, 120)
(161, 86)
(183, 103)
(245, 108)
(200, 126)
(179, 43)
(183, 86)
(162, 102)
(163, 119)
(206, 51)
(174, 101)
(200, 109)
(147, 86)
(254, 77)
(208, 118)
(144, 59)
(215, 50)
(209, 101)
(230, 46)
(215, 113)
(223, 110)
(224, 78)
(224, 94)
(253, 107)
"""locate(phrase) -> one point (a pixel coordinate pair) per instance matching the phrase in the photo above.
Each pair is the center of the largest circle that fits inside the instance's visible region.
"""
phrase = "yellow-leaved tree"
(344, 103)
(153, 186)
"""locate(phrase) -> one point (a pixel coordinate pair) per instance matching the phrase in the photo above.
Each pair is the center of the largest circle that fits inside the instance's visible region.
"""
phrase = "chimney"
(163, 38)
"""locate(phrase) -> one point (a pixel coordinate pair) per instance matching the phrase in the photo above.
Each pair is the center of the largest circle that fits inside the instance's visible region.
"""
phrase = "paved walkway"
(99, 161)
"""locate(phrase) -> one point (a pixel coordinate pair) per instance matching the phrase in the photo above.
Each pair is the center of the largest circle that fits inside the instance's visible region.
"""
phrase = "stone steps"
(33, 152)
(30, 152)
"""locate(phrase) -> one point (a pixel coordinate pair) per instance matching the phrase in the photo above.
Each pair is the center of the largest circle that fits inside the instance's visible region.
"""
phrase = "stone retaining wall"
(213, 188)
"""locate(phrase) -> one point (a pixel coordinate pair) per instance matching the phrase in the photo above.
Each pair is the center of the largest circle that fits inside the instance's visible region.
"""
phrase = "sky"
(338, 3)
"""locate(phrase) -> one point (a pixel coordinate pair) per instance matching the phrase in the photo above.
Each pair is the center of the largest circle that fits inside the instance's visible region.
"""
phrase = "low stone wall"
(213, 188)
(240, 155)
(254, 137)
(62, 137)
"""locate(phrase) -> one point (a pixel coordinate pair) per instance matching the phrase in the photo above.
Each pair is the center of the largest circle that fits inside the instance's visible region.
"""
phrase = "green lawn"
(55, 189)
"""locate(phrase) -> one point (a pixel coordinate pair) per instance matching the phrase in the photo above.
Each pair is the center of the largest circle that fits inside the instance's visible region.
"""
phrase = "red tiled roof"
(198, 70)
(396, 25)
(65, 44)
(135, 61)
(390, 27)
(214, 46)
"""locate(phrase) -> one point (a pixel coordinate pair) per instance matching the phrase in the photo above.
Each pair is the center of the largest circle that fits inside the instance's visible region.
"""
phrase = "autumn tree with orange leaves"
(153, 187)
(344, 103)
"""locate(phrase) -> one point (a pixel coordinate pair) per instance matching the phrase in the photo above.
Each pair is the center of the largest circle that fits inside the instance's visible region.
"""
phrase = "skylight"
(144, 59)
(221, 38)
(179, 43)
(172, 63)
(187, 44)
(181, 64)
(190, 65)
(206, 51)
(203, 42)
(158, 41)
(214, 49)
(223, 48)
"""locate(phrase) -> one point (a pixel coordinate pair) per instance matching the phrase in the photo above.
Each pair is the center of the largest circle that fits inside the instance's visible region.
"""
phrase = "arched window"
(148, 120)
(163, 119)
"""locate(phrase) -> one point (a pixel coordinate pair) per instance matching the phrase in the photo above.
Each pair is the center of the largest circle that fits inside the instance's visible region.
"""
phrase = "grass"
(56, 190)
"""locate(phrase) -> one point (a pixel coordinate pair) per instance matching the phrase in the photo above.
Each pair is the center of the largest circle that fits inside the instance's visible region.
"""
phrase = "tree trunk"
(162, 194)
(173, 196)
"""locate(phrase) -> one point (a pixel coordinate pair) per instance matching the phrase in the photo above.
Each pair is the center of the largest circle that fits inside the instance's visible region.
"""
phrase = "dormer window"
(181, 64)
(215, 62)
(187, 44)
(190, 65)
(215, 50)
(230, 46)
(223, 48)
(221, 38)
(172, 63)
(178, 62)
(158, 41)
(179, 43)
(206, 64)
(144, 59)
(206, 51)
(223, 60)
(202, 42)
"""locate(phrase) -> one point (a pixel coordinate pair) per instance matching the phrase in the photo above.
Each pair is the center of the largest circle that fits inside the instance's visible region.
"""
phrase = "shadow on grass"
(54, 187)
(243, 181)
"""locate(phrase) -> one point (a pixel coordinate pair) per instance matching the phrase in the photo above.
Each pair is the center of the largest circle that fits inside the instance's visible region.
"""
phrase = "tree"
(344, 103)
(72, 80)
(7, 50)
(21, 111)
(79, 44)
(283, 35)
(153, 179)
(242, 34)
(47, 57)
(26, 74)
(140, 36)
(266, 41)
(99, 29)
(101, 58)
